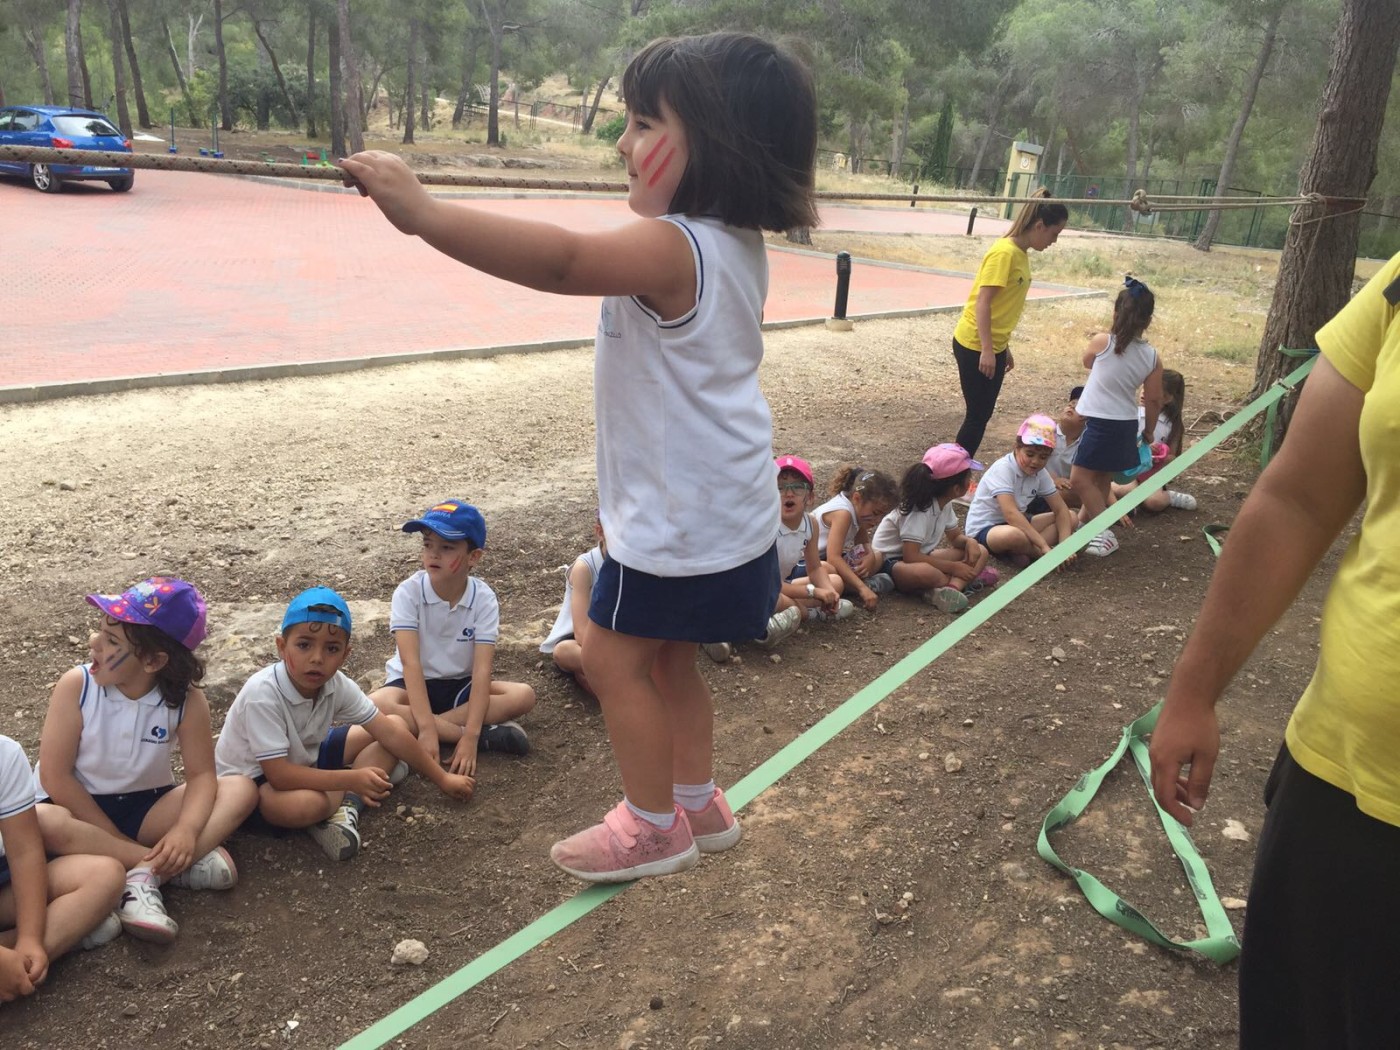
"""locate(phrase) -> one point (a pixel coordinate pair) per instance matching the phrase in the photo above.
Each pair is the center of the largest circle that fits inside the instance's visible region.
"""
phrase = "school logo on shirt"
(156, 735)
(468, 634)
(605, 324)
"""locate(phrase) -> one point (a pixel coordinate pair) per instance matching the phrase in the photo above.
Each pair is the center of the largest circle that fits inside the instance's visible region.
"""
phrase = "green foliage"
(1091, 264)
(613, 129)
(1234, 352)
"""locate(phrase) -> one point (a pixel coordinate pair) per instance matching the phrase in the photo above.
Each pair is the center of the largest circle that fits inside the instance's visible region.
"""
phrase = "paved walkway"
(195, 274)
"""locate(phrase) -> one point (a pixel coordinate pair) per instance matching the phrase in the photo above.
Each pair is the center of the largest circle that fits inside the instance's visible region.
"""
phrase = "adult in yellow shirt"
(1320, 966)
(983, 334)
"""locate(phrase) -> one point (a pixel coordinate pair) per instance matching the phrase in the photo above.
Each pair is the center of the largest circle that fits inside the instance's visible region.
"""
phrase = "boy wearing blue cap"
(314, 743)
(445, 624)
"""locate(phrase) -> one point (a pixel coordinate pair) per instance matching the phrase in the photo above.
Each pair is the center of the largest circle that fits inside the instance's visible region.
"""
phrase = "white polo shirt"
(924, 527)
(792, 545)
(447, 634)
(1004, 476)
(270, 719)
(16, 785)
(125, 745)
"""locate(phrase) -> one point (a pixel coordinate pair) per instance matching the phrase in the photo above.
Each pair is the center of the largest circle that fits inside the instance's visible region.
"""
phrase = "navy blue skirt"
(1108, 445)
(717, 607)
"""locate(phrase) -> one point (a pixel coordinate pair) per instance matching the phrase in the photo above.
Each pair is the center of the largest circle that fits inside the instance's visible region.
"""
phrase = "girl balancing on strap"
(719, 146)
(981, 340)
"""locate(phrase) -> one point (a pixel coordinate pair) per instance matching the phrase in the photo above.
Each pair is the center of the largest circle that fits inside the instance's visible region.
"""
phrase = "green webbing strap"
(1215, 537)
(1266, 447)
(1220, 944)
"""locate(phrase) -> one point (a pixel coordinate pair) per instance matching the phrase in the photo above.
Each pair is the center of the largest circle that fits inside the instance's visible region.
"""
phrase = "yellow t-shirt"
(1007, 267)
(1346, 727)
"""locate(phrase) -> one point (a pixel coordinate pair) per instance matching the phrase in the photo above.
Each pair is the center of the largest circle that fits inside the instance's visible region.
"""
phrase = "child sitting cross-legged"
(911, 536)
(445, 622)
(998, 517)
(313, 742)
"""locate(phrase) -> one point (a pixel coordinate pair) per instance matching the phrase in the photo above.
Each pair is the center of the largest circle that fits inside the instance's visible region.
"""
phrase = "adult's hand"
(987, 363)
(1187, 734)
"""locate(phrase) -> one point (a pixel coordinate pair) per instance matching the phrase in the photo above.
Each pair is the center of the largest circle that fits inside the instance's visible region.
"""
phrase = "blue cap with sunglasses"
(317, 605)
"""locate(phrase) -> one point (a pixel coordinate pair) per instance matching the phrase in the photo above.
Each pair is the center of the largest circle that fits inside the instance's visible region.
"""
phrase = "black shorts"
(444, 693)
(331, 754)
(128, 810)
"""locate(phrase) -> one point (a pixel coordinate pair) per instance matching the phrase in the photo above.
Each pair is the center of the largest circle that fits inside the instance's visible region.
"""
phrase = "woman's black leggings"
(979, 394)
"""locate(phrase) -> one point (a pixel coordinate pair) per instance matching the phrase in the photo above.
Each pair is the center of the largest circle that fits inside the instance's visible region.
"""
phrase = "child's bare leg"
(958, 569)
(1091, 486)
(299, 808)
(639, 725)
(237, 796)
(687, 699)
(1008, 539)
(393, 700)
(65, 835)
(83, 890)
(914, 577)
(568, 657)
(362, 750)
(1048, 527)
(509, 700)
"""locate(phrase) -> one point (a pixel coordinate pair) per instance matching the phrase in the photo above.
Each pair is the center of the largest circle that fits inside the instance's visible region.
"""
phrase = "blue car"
(62, 127)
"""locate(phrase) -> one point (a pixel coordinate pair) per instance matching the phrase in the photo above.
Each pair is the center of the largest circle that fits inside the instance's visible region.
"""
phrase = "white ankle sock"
(144, 873)
(693, 797)
(656, 820)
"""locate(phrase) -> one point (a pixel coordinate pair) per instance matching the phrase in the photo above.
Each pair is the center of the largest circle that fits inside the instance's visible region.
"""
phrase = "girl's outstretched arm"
(647, 258)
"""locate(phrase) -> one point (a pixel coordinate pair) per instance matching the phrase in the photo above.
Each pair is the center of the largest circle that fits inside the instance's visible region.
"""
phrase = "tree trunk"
(195, 121)
(119, 69)
(143, 114)
(1319, 257)
(591, 114)
(337, 100)
(225, 109)
(192, 25)
(277, 72)
(493, 125)
(470, 44)
(900, 137)
(412, 87)
(72, 47)
(34, 40)
(1232, 144)
(311, 72)
(350, 82)
(425, 96)
(993, 112)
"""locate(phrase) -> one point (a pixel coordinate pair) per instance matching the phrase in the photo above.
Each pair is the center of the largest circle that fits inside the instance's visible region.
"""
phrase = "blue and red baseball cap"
(170, 605)
(452, 519)
(317, 605)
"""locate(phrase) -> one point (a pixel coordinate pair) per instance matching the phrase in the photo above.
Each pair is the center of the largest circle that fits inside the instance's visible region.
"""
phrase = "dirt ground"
(877, 899)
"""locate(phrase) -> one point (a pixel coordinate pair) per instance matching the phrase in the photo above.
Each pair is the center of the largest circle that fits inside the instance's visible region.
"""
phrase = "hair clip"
(1134, 286)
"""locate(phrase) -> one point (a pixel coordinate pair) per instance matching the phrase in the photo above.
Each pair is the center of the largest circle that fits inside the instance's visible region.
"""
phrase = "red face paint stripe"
(661, 169)
(646, 161)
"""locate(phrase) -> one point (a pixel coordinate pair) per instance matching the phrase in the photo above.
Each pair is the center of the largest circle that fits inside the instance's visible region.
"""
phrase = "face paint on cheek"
(651, 156)
(456, 564)
(116, 660)
(661, 169)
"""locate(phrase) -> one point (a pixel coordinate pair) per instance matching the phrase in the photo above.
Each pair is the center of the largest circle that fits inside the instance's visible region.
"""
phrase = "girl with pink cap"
(997, 517)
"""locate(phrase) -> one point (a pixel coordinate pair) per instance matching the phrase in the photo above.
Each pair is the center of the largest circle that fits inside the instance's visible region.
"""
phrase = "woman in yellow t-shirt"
(1319, 968)
(980, 341)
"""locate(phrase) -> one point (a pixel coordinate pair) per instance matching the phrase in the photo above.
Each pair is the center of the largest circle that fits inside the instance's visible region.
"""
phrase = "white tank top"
(1111, 391)
(840, 501)
(684, 435)
(125, 744)
(564, 622)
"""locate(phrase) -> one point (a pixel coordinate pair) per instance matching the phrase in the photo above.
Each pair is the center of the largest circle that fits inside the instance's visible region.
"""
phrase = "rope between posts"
(1138, 202)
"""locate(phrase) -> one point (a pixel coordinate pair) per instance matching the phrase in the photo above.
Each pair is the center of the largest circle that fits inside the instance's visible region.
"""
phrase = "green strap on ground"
(799, 750)
(1220, 944)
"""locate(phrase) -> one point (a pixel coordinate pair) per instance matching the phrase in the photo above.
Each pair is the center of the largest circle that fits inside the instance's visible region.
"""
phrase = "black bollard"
(843, 283)
(971, 218)
(916, 193)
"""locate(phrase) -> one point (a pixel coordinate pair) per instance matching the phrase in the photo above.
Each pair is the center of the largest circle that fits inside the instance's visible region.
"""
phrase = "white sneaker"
(338, 837)
(213, 871)
(781, 625)
(844, 608)
(1102, 545)
(719, 652)
(107, 930)
(142, 914)
(1181, 500)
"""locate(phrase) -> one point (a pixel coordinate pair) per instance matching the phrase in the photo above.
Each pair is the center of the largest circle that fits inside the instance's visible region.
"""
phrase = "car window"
(6, 119)
(83, 127)
(25, 120)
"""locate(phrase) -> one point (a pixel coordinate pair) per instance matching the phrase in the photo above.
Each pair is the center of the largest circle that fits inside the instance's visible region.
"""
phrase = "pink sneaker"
(714, 827)
(988, 577)
(625, 847)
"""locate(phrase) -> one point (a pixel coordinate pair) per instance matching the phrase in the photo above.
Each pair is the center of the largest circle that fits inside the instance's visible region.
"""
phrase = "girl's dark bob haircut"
(750, 118)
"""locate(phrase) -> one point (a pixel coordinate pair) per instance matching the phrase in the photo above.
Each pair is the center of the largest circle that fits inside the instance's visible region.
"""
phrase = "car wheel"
(122, 184)
(44, 179)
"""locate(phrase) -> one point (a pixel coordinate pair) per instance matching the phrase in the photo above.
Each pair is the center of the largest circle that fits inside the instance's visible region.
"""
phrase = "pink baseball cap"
(948, 459)
(796, 463)
(1039, 430)
(171, 606)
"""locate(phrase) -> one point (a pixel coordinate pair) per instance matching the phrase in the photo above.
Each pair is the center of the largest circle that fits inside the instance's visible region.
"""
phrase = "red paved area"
(193, 273)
